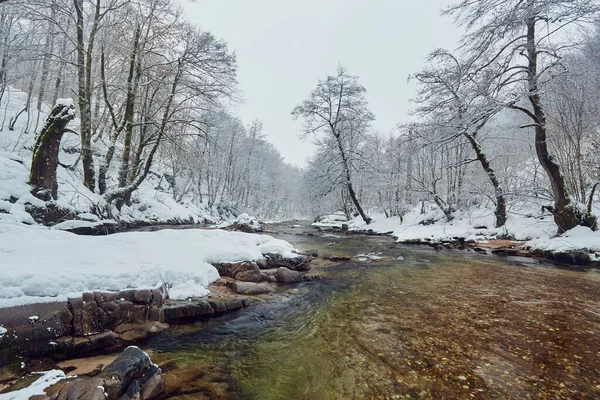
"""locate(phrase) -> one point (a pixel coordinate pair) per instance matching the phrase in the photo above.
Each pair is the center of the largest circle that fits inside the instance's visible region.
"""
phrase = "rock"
(250, 288)
(140, 313)
(243, 271)
(133, 332)
(234, 304)
(49, 214)
(130, 376)
(152, 383)
(132, 392)
(285, 275)
(299, 263)
(195, 310)
(130, 365)
(86, 316)
(138, 296)
(479, 250)
(219, 306)
(83, 388)
(87, 228)
(94, 342)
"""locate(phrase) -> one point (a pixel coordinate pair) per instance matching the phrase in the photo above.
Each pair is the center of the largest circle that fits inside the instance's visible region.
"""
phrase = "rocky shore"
(101, 322)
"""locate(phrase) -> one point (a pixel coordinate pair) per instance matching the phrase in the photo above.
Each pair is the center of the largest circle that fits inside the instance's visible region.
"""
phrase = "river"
(397, 322)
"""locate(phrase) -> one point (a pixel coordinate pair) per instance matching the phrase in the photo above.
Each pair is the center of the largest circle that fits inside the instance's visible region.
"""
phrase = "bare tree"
(337, 108)
(515, 41)
(453, 96)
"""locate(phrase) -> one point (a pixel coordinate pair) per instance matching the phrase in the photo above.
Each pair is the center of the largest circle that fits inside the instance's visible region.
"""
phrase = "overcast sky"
(284, 46)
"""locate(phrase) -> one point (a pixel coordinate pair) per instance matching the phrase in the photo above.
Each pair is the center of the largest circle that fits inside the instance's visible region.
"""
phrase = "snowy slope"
(152, 203)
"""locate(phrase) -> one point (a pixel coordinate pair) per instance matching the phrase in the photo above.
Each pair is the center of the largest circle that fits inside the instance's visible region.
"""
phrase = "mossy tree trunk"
(45, 152)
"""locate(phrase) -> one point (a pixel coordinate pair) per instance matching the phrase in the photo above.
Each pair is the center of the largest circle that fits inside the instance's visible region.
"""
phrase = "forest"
(507, 122)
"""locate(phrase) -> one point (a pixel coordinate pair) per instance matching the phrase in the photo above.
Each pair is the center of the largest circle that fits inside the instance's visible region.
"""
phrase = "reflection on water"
(414, 323)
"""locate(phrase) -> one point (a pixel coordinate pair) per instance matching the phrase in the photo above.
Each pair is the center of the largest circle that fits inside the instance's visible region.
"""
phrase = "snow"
(43, 265)
(2, 331)
(332, 220)
(47, 379)
(65, 102)
(525, 222)
(580, 238)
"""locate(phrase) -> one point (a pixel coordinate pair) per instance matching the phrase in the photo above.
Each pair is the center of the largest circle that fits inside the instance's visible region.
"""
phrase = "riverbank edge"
(507, 247)
(41, 334)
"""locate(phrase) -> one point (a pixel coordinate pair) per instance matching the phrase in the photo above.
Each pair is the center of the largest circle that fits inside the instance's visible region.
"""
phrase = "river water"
(397, 322)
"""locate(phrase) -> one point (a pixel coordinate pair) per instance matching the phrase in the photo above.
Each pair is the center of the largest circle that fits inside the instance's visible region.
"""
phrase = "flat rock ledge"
(100, 321)
(130, 376)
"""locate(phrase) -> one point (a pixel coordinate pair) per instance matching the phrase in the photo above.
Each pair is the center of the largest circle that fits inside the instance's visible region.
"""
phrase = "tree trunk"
(45, 153)
(500, 200)
(349, 181)
(566, 214)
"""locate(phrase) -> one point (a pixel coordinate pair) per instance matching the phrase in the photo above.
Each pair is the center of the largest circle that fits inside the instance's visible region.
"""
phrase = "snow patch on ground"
(580, 238)
(525, 222)
(152, 203)
(46, 380)
(42, 265)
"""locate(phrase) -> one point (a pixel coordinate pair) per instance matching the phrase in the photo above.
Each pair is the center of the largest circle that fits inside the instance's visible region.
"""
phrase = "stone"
(298, 263)
(94, 342)
(155, 314)
(142, 296)
(132, 392)
(234, 304)
(200, 309)
(87, 297)
(140, 313)
(152, 383)
(130, 365)
(250, 288)
(110, 314)
(126, 311)
(285, 275)
(157, 298)
(83, 388)
(219, 306)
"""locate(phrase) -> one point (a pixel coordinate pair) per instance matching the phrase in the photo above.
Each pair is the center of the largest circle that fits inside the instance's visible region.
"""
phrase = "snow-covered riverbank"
(38, 264)
(526, 223)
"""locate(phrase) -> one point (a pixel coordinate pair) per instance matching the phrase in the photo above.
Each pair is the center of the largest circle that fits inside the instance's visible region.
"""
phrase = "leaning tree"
(337, 108)
(520, 43)
(44, 162)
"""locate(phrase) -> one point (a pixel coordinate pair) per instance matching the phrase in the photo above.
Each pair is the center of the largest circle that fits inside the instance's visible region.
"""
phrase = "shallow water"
(411, 323)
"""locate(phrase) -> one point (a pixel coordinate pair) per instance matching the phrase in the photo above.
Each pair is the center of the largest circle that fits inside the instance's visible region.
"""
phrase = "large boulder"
(130, 376)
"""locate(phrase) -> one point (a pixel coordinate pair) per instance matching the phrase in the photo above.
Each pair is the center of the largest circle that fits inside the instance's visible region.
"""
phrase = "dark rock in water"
(87, 228)
(480, 250)
(130, 376)
(130, 365)
(285, 275)
(337, 259)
